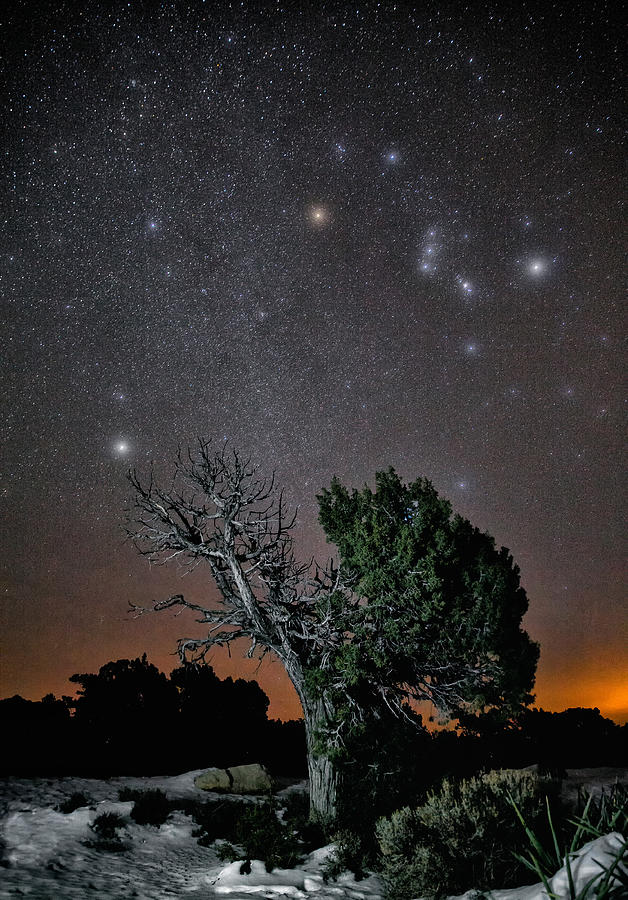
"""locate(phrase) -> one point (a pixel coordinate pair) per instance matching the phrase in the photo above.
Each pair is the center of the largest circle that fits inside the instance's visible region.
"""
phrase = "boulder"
(251, 779)
(213, 780)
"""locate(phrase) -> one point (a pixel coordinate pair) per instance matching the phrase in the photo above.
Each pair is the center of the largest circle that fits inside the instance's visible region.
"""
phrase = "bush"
(296, 815)
(73, 802)
(261, 835)
(215, 819)
(127, 794)
(352, 853)
(151, 808)
(106, 825)
(463, 836)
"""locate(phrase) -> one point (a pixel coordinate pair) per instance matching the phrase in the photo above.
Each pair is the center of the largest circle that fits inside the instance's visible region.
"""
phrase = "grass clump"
(463, 836)
(73, 802)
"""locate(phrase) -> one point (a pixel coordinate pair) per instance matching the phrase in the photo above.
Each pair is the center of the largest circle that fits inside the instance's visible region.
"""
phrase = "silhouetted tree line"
(132, 719)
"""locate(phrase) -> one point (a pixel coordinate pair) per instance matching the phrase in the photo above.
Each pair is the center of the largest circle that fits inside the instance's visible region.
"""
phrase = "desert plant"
(296, 814)
(260, 834)
(351, 853)
(107, 824)
(151, 808)
(126, 793)
(107, 839)
(73, 802)
(215, 819)
(602, 814)
(462, 836)
(597, 817)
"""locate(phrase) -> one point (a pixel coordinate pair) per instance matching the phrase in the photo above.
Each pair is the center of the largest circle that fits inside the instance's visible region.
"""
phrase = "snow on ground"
(45, 856)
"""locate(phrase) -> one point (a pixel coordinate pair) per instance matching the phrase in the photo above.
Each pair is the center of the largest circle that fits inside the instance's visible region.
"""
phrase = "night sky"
(341, 237)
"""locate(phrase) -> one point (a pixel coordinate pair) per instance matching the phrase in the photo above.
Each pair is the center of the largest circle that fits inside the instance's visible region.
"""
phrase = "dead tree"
(217, 511)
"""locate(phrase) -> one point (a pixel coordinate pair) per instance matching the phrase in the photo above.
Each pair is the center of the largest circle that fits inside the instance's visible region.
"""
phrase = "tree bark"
(323, 771)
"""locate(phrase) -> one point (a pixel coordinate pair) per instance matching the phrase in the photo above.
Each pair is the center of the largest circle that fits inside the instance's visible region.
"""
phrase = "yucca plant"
(599, 817)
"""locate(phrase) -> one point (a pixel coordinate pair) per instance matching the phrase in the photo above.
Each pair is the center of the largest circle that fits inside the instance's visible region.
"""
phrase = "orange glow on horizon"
(573, 686)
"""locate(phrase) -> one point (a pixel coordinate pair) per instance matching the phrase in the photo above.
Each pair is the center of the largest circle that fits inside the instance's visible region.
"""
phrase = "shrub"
(261, 835)
(151, 808)
(351, 853)
(126, 793)
(464, 835)
(106, 825)
(73, 802)
(215, 819)
(296, 815)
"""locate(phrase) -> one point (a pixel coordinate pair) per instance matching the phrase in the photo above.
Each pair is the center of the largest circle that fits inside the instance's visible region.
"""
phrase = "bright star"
(536, 267)
(318, 215)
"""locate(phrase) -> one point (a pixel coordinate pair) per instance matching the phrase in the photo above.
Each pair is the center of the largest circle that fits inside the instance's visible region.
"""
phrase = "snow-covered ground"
(45, 856)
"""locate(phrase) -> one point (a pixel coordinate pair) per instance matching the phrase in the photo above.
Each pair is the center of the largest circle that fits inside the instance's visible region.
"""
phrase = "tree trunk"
(323, 771)
(323, 788)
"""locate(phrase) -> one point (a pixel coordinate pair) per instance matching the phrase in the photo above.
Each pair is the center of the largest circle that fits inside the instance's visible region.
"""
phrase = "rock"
(251, 779)
(213, 780)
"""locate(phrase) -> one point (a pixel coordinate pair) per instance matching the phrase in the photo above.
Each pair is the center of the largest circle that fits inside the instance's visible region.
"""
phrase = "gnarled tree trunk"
(323, 771)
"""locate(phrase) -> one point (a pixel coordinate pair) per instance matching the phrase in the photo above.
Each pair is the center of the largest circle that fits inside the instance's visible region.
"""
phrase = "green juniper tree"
(422, 607)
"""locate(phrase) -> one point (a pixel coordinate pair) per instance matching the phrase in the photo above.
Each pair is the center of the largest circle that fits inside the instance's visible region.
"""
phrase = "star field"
(341, 237)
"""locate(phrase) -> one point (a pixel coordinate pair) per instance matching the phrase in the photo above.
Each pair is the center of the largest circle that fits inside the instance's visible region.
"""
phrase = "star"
(536, 267)
(318, 215)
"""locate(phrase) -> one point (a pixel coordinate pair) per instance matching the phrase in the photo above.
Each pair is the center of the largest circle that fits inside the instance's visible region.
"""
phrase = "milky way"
(341, 238)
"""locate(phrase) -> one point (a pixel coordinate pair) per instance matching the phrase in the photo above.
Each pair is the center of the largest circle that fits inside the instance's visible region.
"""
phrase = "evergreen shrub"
(105, 827)
(261, 835)
(296, 815)
(151, 808)
(463, 836)
(215, 819)
(73, 802)
(107, 824)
